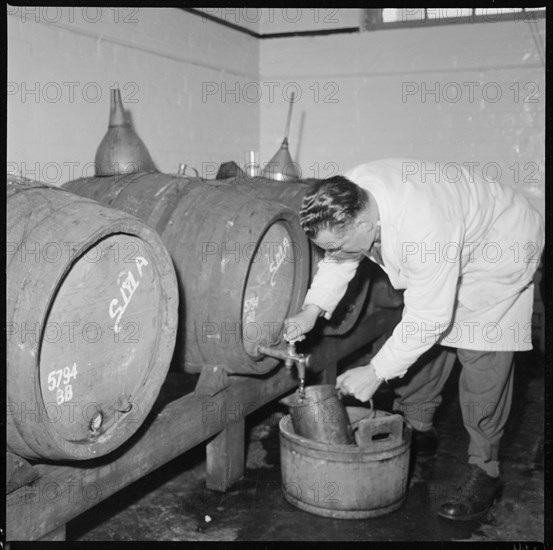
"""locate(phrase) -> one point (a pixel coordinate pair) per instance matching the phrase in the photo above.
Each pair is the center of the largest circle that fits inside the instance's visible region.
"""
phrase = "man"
(465, 250)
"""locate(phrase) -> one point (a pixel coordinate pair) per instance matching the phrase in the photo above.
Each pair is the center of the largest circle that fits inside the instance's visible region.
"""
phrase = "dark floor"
(172, 504)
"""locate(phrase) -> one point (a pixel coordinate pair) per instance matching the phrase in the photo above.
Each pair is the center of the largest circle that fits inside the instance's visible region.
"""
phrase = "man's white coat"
(465, 250)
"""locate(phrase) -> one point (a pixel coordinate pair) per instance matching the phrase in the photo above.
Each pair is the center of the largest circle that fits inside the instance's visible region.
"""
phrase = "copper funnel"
(121, 151)
(281, 167)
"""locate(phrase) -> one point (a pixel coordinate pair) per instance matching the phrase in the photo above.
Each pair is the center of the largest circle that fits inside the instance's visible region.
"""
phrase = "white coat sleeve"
(331, 281)
(432, 264)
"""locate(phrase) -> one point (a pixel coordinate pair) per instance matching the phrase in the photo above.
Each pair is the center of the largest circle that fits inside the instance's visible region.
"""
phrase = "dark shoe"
(474, 497)
(425, 444)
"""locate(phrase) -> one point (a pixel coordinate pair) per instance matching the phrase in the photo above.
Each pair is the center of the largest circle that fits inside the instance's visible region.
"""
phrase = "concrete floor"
(172, 503)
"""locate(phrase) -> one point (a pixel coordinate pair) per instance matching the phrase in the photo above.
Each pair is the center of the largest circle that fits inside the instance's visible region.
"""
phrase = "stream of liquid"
(301, 390)
(301, 376)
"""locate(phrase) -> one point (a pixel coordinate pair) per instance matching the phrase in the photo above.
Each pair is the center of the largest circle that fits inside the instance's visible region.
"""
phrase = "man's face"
(356, 238)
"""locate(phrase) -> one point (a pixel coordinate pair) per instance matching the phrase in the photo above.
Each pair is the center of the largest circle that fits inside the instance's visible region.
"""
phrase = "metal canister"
(320, 415)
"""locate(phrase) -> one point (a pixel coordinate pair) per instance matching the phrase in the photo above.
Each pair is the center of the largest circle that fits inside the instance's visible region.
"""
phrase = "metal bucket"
(320, 416)
(348, 481)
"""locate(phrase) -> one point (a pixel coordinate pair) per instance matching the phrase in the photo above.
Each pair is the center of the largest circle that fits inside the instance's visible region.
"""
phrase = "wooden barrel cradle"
(242, 262)
(92, 311)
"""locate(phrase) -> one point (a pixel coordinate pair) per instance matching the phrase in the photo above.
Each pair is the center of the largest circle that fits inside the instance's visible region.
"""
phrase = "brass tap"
(289, 356)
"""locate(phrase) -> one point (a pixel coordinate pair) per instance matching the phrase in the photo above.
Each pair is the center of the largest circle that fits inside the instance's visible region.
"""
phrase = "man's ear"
(364, 222)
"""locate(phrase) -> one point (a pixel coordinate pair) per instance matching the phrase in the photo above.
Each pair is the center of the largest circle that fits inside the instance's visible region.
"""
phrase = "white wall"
(163, 59)
(365, 96)
(204, 93)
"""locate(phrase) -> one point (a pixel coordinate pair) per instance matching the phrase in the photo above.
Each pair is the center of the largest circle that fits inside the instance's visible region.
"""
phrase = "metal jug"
(320, 415)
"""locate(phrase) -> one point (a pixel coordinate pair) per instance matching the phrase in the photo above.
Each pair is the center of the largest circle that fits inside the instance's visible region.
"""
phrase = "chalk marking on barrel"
(140, 261)
(65, 394)
(280, 256)
(250, 308)
(130, 284)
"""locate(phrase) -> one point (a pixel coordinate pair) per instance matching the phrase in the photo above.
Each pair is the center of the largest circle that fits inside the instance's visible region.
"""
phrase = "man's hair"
(332, 204)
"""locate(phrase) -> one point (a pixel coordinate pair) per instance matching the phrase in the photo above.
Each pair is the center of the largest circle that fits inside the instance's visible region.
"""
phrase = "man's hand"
(361, 382)
(297, 326)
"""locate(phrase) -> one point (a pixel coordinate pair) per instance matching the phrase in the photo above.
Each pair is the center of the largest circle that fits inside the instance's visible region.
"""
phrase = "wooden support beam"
(212, 380)
(62, 492)
(18, 472)
(225, 457)
(56, 534)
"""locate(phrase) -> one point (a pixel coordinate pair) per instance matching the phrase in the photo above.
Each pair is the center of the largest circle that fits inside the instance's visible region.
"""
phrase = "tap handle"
(291, 348)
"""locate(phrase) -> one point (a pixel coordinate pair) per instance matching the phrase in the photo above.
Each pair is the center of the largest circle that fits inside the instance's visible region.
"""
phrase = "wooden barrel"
(242, 262)
(347, 481)
(92, 312)
(291, 194)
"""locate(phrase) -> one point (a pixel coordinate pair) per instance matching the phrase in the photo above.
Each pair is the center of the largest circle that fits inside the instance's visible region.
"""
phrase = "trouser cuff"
(491, 467)
(418, 424)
